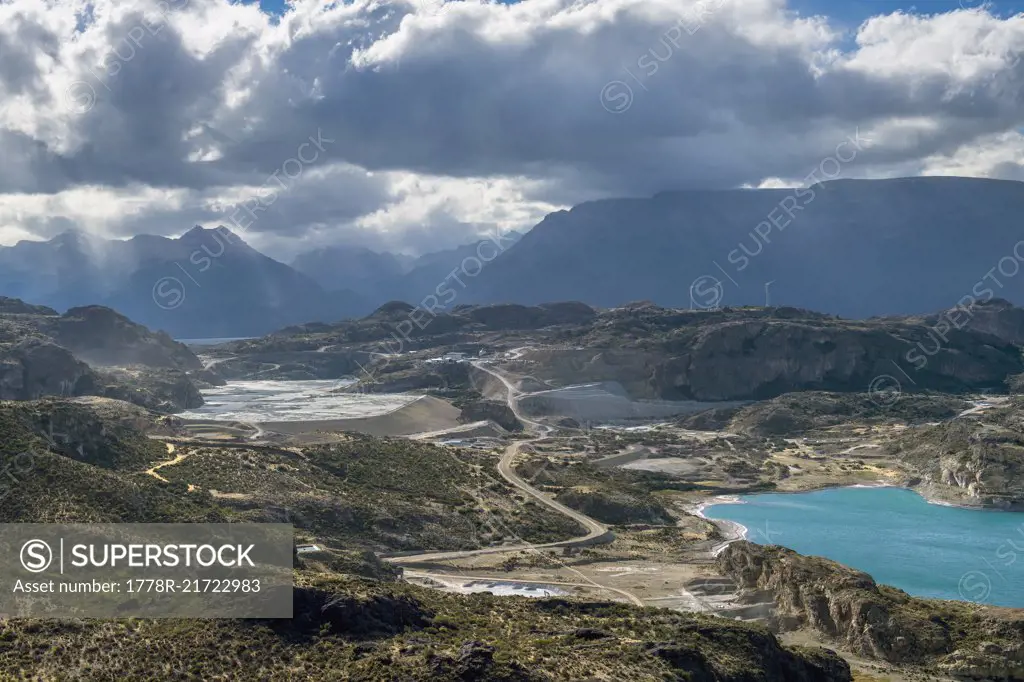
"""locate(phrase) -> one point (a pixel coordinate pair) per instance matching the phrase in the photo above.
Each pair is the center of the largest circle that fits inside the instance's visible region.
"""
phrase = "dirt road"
(441, 577)
(512, 398)
(152, 471)
(597, 532)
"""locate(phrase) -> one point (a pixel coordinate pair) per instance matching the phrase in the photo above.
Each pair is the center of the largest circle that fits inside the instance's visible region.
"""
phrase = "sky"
(417, 125)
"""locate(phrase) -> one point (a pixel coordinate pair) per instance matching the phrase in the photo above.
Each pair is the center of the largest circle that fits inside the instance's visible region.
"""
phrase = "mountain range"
(205, 283)
(855, 248)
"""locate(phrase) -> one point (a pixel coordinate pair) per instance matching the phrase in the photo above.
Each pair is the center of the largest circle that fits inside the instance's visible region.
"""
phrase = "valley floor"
(631, 554)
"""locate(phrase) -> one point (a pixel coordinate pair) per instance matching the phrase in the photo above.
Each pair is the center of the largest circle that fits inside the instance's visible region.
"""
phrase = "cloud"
(451, 119)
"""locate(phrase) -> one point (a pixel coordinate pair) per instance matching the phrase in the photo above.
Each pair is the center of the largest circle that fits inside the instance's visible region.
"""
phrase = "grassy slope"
(378, 631)
(344, 627)
(384, 494)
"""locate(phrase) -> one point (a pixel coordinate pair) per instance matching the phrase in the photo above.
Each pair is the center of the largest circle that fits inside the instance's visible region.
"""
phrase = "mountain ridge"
(855, 248)
(208, 282)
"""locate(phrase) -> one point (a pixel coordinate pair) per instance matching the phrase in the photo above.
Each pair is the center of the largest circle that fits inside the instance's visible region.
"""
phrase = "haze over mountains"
(856, 248)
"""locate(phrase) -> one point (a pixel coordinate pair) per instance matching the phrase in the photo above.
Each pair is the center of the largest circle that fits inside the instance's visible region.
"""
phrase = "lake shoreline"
(697, 505)
(908, 541)
(732, 531)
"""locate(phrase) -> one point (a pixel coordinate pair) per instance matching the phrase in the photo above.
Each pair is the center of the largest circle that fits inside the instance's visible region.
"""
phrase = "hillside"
(86, 351)
(653, 352)
(796, 413)
(90, 464)
(206, 283)
(345, 628)
(964, 640)
(975, 460)
(79, 462)
(847, 247)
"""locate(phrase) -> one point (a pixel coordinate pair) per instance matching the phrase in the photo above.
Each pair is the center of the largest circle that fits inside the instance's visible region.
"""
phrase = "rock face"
(974, 460)
(756, 359)
(614, 507)
(877, 621)
(760, 353)
(794, 413)
(662, 353)
(498, 412)
(163, 390)
(35, 368)
(15, 306)
(45, 354)
(104, 337)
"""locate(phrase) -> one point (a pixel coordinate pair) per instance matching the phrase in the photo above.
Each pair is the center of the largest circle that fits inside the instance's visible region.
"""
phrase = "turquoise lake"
(928, 550)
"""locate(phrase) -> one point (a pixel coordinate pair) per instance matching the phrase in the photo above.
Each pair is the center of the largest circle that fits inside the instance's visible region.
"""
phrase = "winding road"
(597, 532)
(512, 398)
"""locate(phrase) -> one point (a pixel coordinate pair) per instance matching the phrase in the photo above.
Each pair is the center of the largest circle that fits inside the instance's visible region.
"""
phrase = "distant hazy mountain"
(353, 268)
(431, 269)
(855, 248)
(381, 277)
(67, 271)
(206, 283)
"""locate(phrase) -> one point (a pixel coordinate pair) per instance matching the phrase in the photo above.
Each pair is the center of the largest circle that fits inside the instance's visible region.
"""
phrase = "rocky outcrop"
(969, 461)
(674, 354)
(15, 306)
(318, 611)
(614, 507)
(102, 336)
(998, 318)
(35, 368)
(206, 378)
(877, 621)
(162, 390)
(795, 413)
(45, 354)
(715, 419)
(514, 316)
(761, 353)
(475, 661)
(756, 359)
(789, 665)
(498, 412)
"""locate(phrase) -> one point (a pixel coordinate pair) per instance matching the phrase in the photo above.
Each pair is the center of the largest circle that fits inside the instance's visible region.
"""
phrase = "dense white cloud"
(446, 120)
